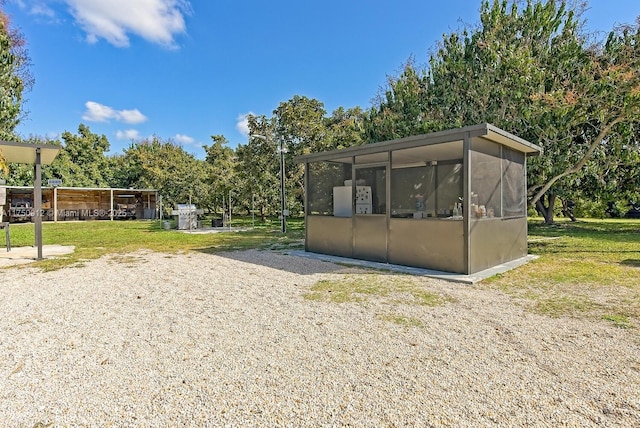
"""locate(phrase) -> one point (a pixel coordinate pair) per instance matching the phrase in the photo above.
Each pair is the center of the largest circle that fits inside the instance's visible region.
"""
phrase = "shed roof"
(26, 153)
(116, 189)
(484, 130)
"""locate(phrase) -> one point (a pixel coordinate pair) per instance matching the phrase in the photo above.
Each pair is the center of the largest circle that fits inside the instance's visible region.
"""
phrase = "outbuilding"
(80, 203)
(452, 201)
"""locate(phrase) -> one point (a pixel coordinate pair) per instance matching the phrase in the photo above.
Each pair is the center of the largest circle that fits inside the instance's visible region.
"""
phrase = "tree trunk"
(567, 209)
(546, 211)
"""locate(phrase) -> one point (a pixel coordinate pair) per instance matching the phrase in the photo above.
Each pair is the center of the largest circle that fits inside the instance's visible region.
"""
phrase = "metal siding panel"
(496, 241)
(329, 235)
(370, 233)
(430, 244)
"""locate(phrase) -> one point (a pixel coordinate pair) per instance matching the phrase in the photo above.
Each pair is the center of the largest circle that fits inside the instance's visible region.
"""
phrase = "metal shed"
(452, 201)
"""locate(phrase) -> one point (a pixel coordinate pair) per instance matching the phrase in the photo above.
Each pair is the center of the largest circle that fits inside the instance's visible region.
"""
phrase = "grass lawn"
(93, 239)
(589, 268)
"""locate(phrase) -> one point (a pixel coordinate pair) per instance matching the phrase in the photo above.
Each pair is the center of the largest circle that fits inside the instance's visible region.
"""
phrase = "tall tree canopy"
(528, 69)
(82, 162)
(165, 166)
(15, 78)
(221, 171)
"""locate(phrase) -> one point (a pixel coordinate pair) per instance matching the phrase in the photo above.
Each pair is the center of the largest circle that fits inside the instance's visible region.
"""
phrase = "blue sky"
(187, 70)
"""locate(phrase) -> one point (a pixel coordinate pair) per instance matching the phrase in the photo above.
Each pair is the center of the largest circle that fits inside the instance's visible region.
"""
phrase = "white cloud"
(242, 124)
(130, 116)
(157, 21)
(38, 8)
(97, 112)
(42, 10)
(129, 134)
(183, 139)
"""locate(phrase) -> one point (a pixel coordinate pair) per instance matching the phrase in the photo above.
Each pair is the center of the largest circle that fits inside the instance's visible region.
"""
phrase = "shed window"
(431, 190)
(371, 190)
(486, 173)
(323, 177)
(513, 183)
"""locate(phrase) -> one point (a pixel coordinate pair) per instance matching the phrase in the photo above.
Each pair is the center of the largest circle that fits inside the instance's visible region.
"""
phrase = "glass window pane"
(371, 190)
(323, 177)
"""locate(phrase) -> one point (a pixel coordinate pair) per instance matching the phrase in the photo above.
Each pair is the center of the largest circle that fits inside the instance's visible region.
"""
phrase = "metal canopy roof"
(26, 153)
(484, 130)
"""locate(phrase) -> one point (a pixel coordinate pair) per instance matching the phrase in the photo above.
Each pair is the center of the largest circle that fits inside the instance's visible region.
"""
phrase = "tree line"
(529, 67)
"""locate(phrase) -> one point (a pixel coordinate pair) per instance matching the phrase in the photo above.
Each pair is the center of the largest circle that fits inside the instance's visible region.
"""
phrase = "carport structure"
(452, 201)
(37, 155)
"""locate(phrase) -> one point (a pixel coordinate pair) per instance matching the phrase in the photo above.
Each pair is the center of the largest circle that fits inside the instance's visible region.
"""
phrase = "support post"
(55, 204)
(466, 202)
(283, 199)
(37, 203)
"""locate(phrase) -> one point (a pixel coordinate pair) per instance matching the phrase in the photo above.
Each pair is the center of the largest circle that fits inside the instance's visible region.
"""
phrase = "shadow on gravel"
(292, 263)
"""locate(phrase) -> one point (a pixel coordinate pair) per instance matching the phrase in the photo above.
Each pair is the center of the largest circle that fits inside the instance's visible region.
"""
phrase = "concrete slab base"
(449, 276)
(204, 230)
(22, 255)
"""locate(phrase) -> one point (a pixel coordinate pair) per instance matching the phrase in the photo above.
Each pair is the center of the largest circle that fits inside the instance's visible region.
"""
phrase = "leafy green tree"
(221, 160)
(82, 162)
(15, 77)
(299, 126)
(166, 167)
(345, 128)
(402, 109)
(258, 167)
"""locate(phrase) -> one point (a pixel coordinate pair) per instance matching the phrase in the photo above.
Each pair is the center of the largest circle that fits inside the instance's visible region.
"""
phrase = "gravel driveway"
(150, 339)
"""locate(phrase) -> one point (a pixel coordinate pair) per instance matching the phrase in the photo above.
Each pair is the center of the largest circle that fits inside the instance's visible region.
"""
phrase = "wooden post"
(55, 204)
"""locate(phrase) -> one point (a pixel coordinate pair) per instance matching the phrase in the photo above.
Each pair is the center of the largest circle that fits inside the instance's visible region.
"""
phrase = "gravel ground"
(151, 339)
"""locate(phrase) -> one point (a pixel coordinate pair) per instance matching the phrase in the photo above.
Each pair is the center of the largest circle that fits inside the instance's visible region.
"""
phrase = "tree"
(82, 162)
(222, 178)
(166, 167)
(529, 71)
(402, 110)
(15, 77)
(345, 128)
(257, 167)
(299, 125)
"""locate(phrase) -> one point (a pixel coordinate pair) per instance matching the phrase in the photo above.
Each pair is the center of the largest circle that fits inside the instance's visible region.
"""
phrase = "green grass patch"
(93, 239)
(588, 268)
(619, 321)
(364, 287)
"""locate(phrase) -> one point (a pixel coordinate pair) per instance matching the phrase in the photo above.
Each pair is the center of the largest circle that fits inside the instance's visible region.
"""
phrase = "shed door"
(370, 208)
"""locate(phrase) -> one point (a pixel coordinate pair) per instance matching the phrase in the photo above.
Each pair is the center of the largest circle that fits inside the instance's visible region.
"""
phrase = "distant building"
(80, 203)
